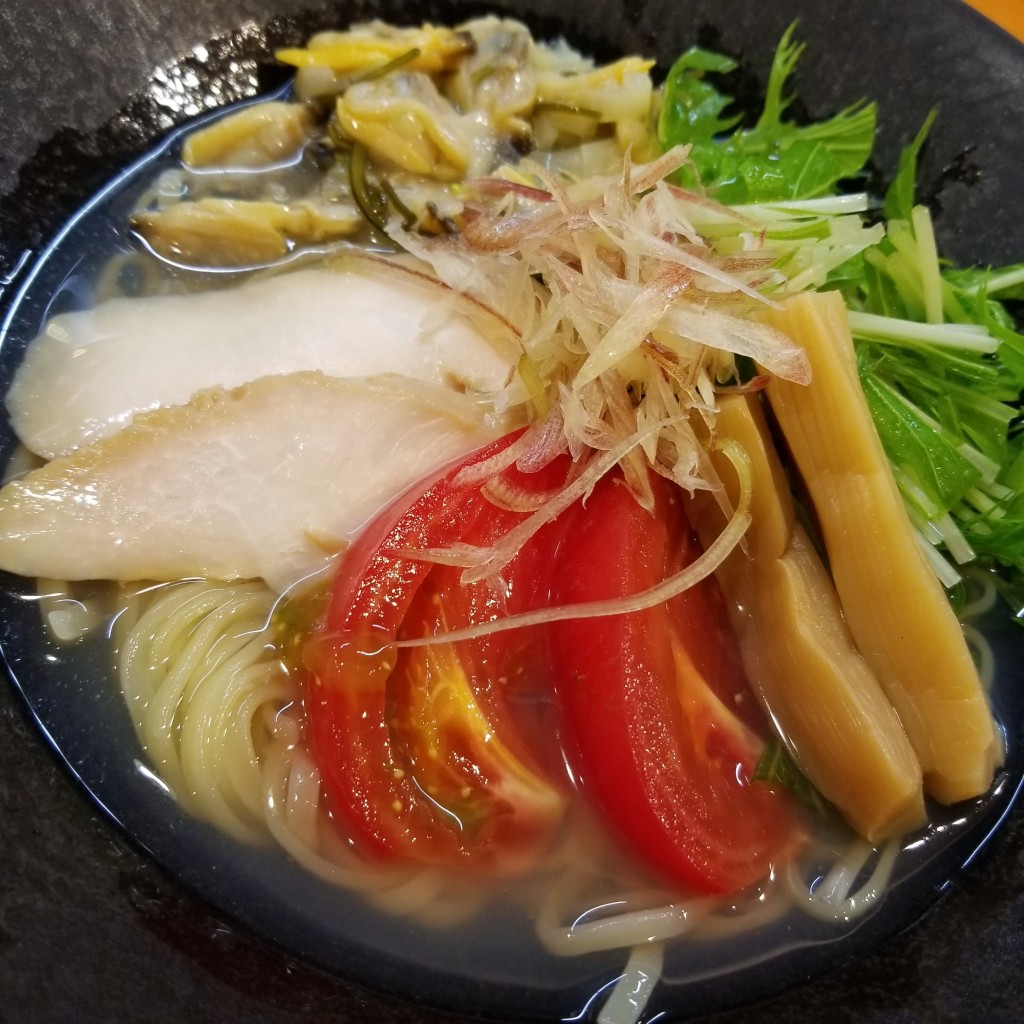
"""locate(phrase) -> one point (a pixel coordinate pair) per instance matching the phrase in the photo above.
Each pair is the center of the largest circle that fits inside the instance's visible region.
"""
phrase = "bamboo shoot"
(798, 653)
(896, 609)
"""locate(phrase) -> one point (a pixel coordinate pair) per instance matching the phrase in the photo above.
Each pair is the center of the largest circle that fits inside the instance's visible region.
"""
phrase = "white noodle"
(834, 898)
(985, 601)
(633, 990)
(984, 658)
(215, 710)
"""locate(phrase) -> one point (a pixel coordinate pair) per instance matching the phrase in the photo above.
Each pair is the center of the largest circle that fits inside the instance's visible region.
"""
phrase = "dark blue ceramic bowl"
(163, 920)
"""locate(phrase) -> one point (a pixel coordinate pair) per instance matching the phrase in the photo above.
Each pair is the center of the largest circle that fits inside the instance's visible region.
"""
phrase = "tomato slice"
(423, 751)
(447, 753)
(656, 714)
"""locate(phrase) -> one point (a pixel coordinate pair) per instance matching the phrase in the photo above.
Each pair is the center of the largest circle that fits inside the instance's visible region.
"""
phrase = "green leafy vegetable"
(775, 765)
(692, 106)
(942, 367)
(998, 532)
(939, 356)
(392, 65)
(371, 201)
(776, 159)
(944, 473)
(899, 198)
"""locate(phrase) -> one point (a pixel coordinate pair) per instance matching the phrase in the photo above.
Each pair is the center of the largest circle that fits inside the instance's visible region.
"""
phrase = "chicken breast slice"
(89, 373)
(268, 480)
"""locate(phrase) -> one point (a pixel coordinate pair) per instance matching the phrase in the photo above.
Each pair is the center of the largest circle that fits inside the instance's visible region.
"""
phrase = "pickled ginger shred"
(268, 480)
(89, 373)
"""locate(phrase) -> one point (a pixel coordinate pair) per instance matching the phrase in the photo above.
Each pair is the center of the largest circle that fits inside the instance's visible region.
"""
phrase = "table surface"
(1007, 13)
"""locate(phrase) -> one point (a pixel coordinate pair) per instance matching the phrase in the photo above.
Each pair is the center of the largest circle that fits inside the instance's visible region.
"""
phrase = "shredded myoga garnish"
(507, 470)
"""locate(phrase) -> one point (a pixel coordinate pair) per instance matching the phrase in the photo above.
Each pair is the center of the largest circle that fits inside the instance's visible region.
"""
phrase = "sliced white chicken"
(268, 480)
(88, 373)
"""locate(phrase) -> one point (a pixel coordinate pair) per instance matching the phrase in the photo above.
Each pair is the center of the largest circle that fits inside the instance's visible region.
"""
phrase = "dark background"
(91, 931)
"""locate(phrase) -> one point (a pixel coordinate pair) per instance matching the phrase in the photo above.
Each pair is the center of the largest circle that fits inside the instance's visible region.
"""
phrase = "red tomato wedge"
(422, 750)
(448, 753)
(656, 714)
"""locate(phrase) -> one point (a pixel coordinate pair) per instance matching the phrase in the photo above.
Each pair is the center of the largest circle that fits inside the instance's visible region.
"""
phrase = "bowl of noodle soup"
(415, 934)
